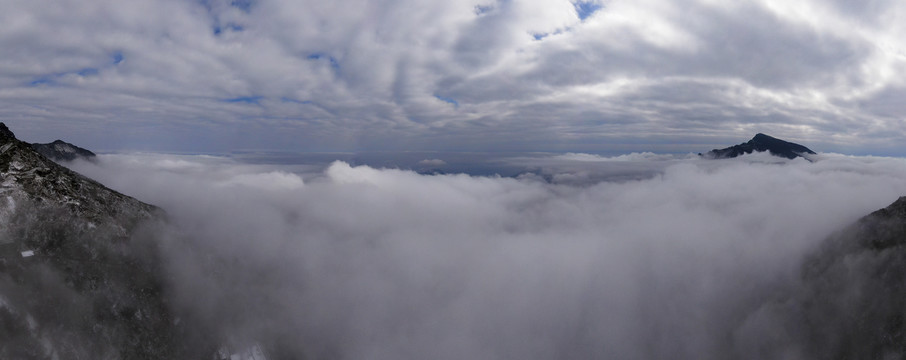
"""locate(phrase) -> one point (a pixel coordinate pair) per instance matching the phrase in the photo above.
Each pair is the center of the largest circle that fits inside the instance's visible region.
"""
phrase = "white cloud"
(387, 264)
(350, 74)
(275, 180)
(625, 157)
(432, 162)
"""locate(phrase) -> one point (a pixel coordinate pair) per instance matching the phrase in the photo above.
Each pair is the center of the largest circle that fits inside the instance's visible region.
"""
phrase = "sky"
(597, 76)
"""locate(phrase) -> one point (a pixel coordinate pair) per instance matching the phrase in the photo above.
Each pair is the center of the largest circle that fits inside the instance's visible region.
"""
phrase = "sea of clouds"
(569, 260)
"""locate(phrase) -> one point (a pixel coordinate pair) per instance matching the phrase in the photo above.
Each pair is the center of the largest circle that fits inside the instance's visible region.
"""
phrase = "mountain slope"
(855, 287)
(760, 143)
(26, 174)
(60, 150)
(849, 302)
(79, 277)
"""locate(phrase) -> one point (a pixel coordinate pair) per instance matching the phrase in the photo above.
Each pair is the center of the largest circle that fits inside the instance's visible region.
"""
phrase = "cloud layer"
(593, 76)
(359, 262)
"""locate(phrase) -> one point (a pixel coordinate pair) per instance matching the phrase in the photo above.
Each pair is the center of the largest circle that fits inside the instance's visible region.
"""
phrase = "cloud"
(625, 157)
(432, 162)
(394, 75)
(362, 262)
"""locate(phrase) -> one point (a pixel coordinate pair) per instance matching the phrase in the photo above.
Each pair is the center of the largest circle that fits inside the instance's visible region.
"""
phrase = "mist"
(681, 258)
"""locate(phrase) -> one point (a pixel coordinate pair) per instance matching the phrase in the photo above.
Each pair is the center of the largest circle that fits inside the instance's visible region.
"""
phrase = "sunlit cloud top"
(583, 76)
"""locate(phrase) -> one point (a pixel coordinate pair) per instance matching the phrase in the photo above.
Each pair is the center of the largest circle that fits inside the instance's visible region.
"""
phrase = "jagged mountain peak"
(77, 281)
(60, 150)
(762, 142)
(27, 174)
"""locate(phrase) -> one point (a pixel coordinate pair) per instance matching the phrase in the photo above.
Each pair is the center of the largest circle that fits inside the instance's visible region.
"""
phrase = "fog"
(354, 262)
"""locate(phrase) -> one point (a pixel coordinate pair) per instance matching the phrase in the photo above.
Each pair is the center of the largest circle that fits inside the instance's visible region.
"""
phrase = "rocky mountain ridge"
(848, 303)
(82, 275)
(78, 277)
(27, 174)
(760, 143)
(60, 150)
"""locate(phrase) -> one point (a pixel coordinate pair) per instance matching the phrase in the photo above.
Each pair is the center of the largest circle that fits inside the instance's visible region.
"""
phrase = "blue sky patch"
(228, 27)
(88, 72)
(117, 58)
(41, 81)
(290, 100)
(586, 8)
(539, 36)
(318, 56)
(245, 100)
(50, 79)
(483, 9)
(244, 5)
(447, 100)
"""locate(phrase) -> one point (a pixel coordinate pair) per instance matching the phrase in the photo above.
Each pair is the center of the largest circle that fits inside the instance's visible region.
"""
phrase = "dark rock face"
(761, 142)
(856, 288)
(27, 175)
(60, 150)
(5, 134)
(849, 303)
(80, 276)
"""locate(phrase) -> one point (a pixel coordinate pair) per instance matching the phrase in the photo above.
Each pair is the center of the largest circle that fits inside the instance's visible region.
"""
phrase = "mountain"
(861, 272)
(81, 270)
(761, 142)
(60, 150)
(28, 175)
(80, 274)
(849, 302)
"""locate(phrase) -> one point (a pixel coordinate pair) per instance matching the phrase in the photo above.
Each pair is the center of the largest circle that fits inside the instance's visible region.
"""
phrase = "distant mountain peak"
(60, 150)
(762, 142)
(27, 172)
